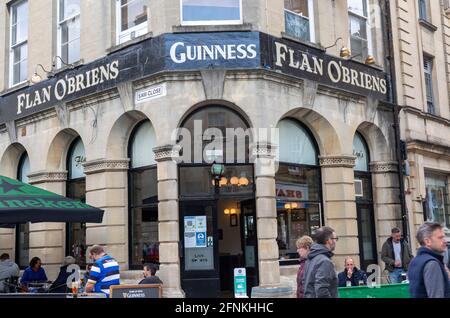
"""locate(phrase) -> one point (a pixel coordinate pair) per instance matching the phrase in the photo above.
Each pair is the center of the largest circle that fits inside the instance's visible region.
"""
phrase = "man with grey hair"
(427, 274)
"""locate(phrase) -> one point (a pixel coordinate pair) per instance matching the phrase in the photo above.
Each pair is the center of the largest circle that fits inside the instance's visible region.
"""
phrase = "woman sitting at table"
(34, 273)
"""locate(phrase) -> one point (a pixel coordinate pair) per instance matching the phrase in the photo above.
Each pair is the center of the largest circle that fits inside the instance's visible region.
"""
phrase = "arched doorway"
(217, 220)
(364, 203)
(298, 188)
(23, 230)
(76, 189)
(143, 197)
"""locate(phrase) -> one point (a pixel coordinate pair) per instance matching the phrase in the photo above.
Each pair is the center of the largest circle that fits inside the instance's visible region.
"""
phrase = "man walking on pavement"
(427, 274)
(396, 254)
(320, 278)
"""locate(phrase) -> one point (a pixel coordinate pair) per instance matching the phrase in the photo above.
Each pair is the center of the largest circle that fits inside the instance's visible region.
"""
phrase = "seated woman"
(34, 273)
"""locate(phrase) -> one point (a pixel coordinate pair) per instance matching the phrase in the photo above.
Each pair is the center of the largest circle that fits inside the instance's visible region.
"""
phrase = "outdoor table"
(380, 291)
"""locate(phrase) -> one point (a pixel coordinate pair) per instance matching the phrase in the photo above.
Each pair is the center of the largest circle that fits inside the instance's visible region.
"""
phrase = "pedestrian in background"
(428, 277)
(396, 254)
(320, 280)
(303, 248)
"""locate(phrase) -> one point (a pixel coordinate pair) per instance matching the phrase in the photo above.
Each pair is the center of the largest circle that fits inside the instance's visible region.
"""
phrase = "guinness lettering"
(180, 52)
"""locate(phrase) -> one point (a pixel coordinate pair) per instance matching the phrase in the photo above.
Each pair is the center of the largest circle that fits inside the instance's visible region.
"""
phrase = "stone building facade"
(421, 45)
(107, 137)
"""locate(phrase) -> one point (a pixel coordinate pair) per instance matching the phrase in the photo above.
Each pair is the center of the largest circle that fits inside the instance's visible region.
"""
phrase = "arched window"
(143, 200)
(298, 188)
(23, 230)
(296, 144)
(361, 152)
(364, 203)
(76, 189)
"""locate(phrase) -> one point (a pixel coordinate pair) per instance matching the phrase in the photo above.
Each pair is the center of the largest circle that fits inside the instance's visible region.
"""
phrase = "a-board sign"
(136, 291)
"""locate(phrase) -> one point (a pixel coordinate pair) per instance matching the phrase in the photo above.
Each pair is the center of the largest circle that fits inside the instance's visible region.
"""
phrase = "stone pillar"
(386, 198)
(339, 205)
(106, 189)
(48, 240)
(168, 217)
(7, 239)
(266, 220)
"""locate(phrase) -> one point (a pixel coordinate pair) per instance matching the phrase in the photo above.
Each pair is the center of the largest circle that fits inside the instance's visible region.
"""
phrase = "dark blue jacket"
(417, 287)
(356, 277)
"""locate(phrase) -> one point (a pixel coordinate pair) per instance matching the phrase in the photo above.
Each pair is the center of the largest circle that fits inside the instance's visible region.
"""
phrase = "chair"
(12, 284)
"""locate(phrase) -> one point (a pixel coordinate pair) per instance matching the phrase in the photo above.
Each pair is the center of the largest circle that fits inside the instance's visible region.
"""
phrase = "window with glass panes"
(23, 229)
(428, 72)
(143, 197)
(203, 12)
(18, 42)
(437, 195)
(69, 31)
(423, 10)
(131, 19)
(359, 28)
(299, 19)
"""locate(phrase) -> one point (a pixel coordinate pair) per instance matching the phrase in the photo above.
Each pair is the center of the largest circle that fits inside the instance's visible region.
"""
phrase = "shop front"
(116, 133)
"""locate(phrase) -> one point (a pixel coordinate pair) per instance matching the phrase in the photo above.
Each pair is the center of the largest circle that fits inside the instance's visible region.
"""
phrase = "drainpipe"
(397, 108)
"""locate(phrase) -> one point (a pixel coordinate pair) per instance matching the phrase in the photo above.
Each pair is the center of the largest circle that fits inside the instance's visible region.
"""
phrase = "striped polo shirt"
(104, 273)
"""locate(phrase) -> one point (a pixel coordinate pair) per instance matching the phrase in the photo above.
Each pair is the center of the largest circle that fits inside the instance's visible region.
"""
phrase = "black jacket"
(357, 275)
(60, 284)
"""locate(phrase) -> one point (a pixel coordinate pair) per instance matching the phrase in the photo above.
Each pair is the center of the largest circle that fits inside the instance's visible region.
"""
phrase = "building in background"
(92, 92)
(421, 38)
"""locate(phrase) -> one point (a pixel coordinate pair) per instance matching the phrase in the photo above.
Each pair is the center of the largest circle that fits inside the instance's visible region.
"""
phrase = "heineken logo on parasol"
(42, 203)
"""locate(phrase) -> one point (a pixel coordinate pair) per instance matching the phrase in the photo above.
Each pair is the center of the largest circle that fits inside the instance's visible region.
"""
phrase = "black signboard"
(302, 61)
(195, 51)
(136, 291)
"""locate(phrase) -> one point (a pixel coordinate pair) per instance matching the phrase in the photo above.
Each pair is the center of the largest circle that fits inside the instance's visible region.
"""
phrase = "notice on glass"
(189, 232)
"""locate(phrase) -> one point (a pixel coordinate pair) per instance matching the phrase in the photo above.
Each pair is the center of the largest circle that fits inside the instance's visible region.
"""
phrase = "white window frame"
(312, 30)
(212, 22)
(60, 23)
(11, 47)
(125, 36)
(368, 27)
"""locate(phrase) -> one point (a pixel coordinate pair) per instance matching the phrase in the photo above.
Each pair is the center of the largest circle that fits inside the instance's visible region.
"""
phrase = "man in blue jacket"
(427, 274)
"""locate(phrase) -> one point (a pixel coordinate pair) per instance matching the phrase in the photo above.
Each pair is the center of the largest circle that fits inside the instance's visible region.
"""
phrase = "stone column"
(48, 240)
(339, 205)
(266, 216)
(168, 217)
(386, 198)
(106, 189)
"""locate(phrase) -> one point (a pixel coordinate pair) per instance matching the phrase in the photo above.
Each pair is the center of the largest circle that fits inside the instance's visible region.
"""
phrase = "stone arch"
(59, 148)
(119, 135)
(222, 103)
(9, 162)
(377, 143)
(325, 135)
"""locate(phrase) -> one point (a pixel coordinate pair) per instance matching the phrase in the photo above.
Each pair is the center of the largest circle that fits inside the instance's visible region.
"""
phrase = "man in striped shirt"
(105, 271)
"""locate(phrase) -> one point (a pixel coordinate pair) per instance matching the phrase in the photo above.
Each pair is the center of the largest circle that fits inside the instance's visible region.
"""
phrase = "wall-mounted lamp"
(36, 78)
(290, 206)
(230, 211)
(344, 52)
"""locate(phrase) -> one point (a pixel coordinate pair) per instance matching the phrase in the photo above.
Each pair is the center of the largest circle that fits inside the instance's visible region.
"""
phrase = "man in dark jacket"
(351, 276)
(427, 274)
(320, 279)
(60, 284)
(396, 254)
(150, 274)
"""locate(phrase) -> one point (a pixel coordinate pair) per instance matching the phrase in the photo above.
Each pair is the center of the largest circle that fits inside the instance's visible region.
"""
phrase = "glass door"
(367, 239)
(199, 249)
(249, 243)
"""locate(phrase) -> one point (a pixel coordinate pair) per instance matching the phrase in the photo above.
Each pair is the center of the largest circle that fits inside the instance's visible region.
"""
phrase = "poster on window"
(189, 232)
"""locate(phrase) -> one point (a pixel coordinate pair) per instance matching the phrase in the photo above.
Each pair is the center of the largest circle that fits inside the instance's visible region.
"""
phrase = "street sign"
(240, 283)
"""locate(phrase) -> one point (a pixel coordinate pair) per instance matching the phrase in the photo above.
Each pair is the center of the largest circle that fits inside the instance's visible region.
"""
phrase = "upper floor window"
(428, 71)
(201, 12)
(299, 19)
(69, 31)
(423, 10)
(359, 27)
(18, 58)
(131, 19)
